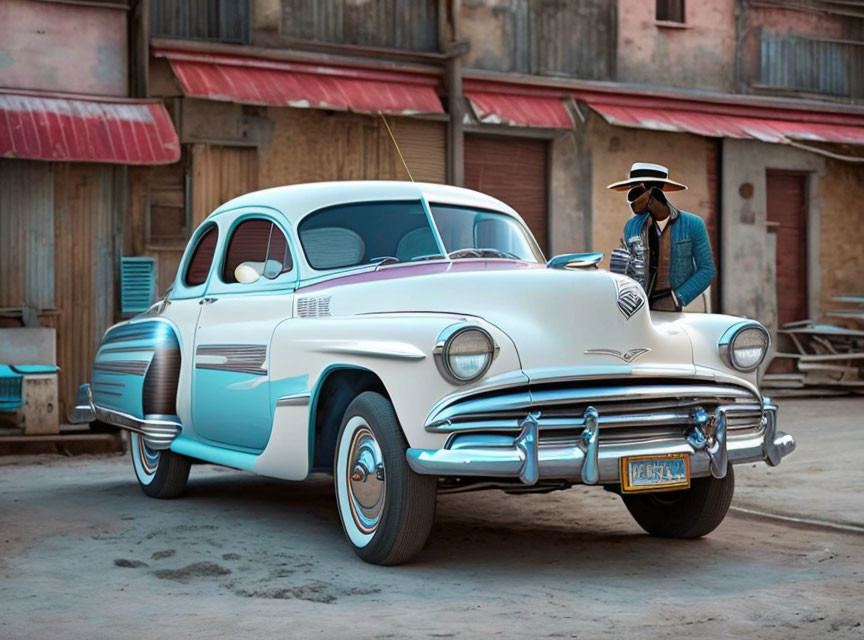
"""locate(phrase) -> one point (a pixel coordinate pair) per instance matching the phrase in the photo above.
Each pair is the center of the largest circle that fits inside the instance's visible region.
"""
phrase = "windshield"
(368, 233)
(477, 233)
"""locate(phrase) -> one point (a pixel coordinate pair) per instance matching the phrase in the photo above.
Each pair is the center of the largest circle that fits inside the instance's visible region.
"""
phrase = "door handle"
(207, 300)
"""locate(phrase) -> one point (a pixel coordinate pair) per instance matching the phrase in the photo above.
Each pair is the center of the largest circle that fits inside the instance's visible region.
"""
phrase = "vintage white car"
(411, 339)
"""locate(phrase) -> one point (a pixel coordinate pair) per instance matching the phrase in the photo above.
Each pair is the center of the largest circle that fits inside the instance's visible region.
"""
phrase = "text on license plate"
(655, 473)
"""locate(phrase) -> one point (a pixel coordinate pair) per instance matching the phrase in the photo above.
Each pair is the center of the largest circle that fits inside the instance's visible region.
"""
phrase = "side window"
(199, 264)
(261, 242)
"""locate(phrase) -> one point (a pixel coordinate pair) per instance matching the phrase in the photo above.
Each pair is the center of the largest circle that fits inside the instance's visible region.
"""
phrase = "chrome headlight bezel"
(726, 344)
(445, 341)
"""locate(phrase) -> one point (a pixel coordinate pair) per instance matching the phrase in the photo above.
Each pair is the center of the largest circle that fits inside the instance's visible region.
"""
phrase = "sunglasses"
(636, 192)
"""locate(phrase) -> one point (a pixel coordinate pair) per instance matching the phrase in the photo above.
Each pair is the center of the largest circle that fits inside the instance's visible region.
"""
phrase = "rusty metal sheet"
(719, 125)
(250, 80)
(43, 127)
(520, 110)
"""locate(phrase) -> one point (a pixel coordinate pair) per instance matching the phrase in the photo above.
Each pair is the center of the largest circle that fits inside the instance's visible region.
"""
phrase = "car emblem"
(630, 298)
(626, 356)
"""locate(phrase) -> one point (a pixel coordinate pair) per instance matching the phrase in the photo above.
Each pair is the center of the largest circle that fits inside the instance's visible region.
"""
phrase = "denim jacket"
(691, 267)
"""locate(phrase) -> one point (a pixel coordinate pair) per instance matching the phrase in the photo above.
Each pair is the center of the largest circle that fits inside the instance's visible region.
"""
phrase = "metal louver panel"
(137, 284)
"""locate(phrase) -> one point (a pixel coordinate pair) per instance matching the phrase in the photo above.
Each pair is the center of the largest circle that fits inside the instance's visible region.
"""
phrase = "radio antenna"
(395, 144)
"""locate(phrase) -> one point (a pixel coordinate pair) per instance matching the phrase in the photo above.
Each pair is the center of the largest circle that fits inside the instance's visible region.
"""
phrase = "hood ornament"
(629, 296)
(626, 356)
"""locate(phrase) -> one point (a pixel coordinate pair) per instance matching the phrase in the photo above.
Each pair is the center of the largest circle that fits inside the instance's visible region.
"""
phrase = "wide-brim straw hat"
(647, 172)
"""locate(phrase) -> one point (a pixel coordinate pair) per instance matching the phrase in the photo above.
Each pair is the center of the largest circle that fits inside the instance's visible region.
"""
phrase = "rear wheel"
(161, 474)
(691, 513)
(386, 509)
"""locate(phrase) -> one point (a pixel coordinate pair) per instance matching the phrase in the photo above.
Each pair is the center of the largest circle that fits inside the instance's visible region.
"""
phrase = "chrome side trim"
(129, 367)
(377, 349)
(294, 400)
(238, 358)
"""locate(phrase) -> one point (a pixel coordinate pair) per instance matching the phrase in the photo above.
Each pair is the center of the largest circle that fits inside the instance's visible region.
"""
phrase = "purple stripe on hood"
(422, 269)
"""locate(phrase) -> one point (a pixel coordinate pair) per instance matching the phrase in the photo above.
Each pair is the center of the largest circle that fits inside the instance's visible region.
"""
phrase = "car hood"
(559, 320)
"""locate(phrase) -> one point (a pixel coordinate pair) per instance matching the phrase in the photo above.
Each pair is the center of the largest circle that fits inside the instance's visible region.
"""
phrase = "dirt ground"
(83, 553)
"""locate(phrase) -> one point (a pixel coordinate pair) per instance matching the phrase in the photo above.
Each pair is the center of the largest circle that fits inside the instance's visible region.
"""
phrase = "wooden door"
(514, 171)
(787, 218)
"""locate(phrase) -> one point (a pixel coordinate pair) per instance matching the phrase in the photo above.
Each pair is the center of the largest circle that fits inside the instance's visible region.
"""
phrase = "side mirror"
(247, 273)
(575, 261)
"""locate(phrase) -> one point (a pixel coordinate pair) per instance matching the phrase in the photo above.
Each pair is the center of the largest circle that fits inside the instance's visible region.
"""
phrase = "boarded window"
(393, 24)
(549, 37)
(199, 265)
(807, 64)
(670, 10)
(259, 241)
(220, 20)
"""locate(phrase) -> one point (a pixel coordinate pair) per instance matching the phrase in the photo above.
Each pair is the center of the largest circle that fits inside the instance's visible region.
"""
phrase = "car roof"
(296, 201)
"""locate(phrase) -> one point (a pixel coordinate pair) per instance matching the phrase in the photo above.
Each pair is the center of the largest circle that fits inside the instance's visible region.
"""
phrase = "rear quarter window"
(202, 257)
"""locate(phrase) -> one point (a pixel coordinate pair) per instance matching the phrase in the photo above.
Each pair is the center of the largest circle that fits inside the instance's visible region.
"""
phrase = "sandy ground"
(84, 554)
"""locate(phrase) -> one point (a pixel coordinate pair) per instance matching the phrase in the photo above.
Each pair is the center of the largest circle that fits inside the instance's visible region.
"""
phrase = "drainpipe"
(453, 49)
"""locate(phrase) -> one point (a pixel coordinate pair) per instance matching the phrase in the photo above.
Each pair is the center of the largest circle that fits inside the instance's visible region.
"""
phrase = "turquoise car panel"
(213, 454)
(136, 369)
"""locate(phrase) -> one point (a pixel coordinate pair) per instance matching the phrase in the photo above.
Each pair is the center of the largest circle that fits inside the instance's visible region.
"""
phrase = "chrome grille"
(626, 409)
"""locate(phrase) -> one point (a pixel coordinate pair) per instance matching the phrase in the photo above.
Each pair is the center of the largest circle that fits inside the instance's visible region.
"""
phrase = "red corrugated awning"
(519, 110)
(270, 82)
(784, 126)
(86, 130)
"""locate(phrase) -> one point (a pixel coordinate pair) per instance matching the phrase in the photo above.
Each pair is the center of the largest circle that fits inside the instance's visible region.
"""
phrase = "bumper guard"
(527, 458)
(157, 430)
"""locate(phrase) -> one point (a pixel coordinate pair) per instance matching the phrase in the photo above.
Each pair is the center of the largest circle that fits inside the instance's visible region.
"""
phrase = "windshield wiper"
(471, 252)
(382, 260)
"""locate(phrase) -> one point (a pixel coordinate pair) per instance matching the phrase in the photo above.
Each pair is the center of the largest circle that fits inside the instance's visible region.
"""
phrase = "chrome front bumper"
(589, 461)
(158, 431)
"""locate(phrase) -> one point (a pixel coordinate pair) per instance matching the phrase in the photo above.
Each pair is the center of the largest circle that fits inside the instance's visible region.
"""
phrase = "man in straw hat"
(678, 266)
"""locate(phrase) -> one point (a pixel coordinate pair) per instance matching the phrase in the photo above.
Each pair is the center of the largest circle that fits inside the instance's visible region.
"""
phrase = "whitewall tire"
(161, 474)
(386, 509)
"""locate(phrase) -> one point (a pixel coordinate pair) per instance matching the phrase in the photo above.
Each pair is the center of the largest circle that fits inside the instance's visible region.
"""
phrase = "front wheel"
(386, 509)
(161, 474)
(691, 513)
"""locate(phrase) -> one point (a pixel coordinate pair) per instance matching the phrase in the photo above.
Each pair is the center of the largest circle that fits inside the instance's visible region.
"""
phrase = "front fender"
(395, 347)
(705, 331)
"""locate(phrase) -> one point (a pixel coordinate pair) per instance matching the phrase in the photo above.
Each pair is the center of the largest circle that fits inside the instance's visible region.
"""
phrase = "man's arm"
(705, 271)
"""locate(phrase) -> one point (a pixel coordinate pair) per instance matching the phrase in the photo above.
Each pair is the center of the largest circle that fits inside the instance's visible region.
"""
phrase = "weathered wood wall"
(311, 145)
(88, 205)
(394, 24)
(221, 20)
(550, 37)
(26, 235)
(59, 229)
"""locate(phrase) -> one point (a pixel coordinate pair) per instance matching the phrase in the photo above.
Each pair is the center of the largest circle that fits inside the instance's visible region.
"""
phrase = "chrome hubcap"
(367, 485)
(149, 458)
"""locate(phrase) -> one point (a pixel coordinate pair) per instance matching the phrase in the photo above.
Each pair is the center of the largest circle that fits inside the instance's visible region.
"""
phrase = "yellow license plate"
(655, 473)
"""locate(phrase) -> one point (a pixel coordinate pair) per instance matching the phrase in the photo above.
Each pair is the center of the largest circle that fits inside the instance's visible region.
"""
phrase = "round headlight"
(745, 348)
(463, 353)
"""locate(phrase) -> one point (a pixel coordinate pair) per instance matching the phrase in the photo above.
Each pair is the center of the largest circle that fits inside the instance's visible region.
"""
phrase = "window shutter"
(137, 284)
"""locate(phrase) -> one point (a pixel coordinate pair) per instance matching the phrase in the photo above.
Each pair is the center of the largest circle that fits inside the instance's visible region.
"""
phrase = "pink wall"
(62, 47)
(701, 54)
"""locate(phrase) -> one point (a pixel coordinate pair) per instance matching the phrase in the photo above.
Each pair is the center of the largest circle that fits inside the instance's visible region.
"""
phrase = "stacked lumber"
(828, 359)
